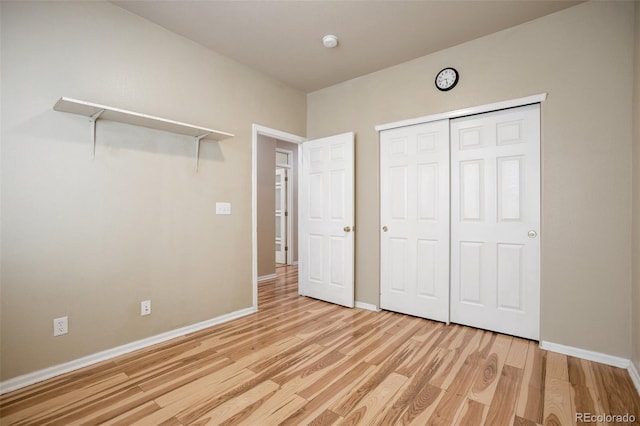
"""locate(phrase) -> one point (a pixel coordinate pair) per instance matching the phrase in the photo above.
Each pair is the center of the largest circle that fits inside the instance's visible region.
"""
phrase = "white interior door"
(326, 219)
(495, 221)
(414, 185)
(281, 215)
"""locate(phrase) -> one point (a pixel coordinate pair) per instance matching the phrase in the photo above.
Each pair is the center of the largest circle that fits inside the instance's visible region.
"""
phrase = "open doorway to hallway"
(277, 205)
(275, 208)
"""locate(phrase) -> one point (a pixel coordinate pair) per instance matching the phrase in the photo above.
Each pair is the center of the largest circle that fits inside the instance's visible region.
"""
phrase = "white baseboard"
(67, 367)
(267, 277)
(586, 354)
(367, 306)
(614, 361)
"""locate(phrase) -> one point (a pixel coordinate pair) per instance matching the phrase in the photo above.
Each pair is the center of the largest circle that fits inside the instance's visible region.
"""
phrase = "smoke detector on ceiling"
(330, 41)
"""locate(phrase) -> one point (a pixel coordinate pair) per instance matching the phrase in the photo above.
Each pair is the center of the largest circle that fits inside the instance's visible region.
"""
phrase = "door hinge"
(286, 248)
(286, 214)
(286, 179)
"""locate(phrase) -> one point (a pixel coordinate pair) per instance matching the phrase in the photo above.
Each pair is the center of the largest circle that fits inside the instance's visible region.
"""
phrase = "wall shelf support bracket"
(92, 119)
(197, 140)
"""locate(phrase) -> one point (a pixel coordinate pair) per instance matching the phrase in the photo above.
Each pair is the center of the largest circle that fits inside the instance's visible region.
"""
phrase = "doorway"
(326, 213)
(286, 203)
(266, 143)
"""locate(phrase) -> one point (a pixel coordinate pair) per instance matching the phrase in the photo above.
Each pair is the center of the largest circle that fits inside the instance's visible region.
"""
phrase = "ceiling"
(284, 38)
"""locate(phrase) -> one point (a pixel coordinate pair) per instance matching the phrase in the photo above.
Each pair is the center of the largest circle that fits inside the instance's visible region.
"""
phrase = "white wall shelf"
(96, 111)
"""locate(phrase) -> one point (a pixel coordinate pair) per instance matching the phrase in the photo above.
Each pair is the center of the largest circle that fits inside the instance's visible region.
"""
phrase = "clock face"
(447, 79)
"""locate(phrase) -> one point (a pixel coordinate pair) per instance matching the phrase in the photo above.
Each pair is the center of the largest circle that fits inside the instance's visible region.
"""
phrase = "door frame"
(479, 109)
(290, 242)
(257, 130)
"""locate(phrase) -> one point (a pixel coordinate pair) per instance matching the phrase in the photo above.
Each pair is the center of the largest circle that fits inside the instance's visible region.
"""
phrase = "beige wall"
(91, 239)
(636, 194)
(266, 204)
(586, 158)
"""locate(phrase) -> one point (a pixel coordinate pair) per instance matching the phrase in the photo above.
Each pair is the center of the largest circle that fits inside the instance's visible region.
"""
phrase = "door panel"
(281, 218)
(327, 219)
(414, 185)
(495, 202)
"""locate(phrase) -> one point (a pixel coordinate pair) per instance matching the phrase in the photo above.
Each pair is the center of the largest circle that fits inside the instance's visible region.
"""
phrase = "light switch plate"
(223, 208)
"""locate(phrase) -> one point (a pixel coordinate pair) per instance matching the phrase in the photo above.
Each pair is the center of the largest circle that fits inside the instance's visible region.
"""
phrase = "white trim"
(256, 130)
(635, 377)
(285, 151)
(67, 367)
(534, 99)
(266, 277)
(290, 241)
(612, 360)
(367, 306)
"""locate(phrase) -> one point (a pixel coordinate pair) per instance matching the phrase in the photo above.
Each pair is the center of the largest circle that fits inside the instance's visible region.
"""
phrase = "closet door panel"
(414, 180)
(495, 221)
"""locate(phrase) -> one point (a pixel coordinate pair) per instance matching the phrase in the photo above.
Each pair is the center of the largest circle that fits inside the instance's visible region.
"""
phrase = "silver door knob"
(347, 229)
(385, 229)
(532, 234)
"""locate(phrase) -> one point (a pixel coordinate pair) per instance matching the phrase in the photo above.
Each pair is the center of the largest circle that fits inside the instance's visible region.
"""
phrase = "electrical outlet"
(145, 307)
(60, 326)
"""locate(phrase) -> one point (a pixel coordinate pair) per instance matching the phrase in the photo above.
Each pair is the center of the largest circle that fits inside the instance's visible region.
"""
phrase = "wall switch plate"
(223, 208)
(145, 307)
(60, 326)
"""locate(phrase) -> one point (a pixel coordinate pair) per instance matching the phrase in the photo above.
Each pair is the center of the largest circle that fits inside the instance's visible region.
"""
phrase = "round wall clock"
(447, 79)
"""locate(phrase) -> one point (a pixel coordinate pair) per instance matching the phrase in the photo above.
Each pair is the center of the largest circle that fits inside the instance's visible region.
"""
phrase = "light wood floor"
(302, 361)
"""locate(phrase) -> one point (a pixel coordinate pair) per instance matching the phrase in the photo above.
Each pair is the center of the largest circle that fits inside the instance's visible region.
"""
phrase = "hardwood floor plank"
(558, 408)
(503, 404)
(300, 361)
(234, 406)
(517, 356)
(519, 421)
(580, 392)
(327, 418)
(473, 414)
(453, 399)
(133, 415)
(619, 394)
(557, 367)
(428, 347)
(422, 407)
(531, 396)
(374, 404)
(34, 407)
(276, 408)
(460, 360)
(338, 388)
(416, 385)
(354, 397)
(484, 387)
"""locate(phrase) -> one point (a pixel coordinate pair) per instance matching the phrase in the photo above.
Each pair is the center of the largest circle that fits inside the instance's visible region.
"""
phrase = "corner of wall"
(636, 197)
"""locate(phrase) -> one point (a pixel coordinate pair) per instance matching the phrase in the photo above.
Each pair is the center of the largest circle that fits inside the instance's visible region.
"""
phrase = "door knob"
(532, 234)
(385, 229)
(347, 229)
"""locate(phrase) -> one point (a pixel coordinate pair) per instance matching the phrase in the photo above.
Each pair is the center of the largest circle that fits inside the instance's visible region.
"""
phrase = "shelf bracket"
(92, 119)
(197, 140)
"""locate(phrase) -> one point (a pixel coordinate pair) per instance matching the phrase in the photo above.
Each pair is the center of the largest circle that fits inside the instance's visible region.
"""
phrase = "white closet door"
(327, 215)
(414, 180)
(495, 221)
